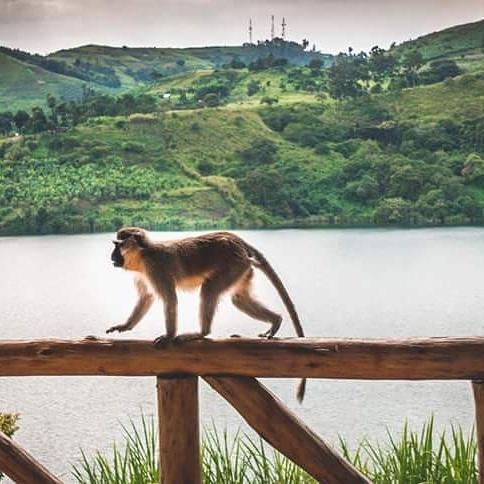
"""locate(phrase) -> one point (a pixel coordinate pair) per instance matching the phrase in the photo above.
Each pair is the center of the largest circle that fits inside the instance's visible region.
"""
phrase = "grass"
(414, 457)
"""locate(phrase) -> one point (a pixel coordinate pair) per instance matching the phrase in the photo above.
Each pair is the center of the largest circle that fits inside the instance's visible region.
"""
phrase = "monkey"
(216, 263)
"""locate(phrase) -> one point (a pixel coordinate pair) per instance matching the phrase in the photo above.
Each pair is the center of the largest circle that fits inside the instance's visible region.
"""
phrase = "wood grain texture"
(478, 390)
(377, 359)
(273, 421)
(20, 466)
(179, 430)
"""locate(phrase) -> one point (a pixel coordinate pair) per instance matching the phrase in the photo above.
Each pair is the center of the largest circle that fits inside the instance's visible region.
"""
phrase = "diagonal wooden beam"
(271, 419)
(20, 466)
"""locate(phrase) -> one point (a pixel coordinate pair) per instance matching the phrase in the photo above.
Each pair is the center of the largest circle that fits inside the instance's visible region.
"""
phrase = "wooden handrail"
(372, 359)
(219, 361)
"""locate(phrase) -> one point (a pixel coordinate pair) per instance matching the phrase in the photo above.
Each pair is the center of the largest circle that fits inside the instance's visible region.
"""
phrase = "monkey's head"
(127, 247)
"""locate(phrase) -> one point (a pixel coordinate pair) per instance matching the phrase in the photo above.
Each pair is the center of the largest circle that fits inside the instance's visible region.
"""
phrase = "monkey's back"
(208, 252)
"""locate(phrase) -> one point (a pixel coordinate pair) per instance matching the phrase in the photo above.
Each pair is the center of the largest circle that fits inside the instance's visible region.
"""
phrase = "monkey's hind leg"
(212, 288)
(243, 300)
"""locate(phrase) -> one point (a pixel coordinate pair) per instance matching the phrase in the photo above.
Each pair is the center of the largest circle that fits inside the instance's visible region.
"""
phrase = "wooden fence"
(231, 367)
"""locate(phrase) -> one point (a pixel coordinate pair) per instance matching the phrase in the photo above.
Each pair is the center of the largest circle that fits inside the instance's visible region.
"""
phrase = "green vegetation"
(411, 458)
(26, 79)
(24, 85)
(375, 138)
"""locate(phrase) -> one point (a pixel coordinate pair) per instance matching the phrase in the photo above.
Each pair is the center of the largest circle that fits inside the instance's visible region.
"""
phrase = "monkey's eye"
(116, 242)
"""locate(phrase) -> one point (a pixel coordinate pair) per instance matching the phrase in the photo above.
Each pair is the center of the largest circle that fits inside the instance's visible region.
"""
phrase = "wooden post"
(273, 421)
(20, 466)
(179, 430)
(478, 389)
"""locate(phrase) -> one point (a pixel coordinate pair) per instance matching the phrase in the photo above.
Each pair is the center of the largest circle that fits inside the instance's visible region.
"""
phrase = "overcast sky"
(333, 25)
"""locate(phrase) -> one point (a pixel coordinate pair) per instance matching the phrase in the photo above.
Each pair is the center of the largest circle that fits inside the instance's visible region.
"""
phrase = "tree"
(265, 187)
(262, 151)
(38, 122)
(316, 64)
(6, 122)
(21, 120)
(412, 62)
(211, 100)
(253, 87)
(439, 71)
(381, 64)
(344, 76)
(393, 211)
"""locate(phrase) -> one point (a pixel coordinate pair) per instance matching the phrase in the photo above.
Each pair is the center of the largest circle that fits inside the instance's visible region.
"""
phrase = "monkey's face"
(126, 254)
(116, 256)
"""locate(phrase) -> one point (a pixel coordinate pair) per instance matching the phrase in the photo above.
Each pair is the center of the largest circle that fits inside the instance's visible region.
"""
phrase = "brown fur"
(215, 262)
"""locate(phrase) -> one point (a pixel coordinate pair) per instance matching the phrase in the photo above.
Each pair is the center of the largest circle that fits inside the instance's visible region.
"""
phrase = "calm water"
(355, 283)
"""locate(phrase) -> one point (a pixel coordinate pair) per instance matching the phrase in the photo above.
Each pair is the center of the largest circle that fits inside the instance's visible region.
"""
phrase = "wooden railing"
(230, 367)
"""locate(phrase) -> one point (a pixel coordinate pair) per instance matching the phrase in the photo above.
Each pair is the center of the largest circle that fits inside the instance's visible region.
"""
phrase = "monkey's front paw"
(118, 327)
(162, 341)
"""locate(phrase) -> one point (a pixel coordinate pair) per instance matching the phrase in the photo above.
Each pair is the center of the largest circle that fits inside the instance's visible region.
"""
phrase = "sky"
(45, 26)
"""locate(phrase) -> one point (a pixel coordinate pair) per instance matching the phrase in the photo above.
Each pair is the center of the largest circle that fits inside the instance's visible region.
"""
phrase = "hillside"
(117, 70)
(24, 85)
(133, 64)
(361, 162)
(272, 146)
(463, 43)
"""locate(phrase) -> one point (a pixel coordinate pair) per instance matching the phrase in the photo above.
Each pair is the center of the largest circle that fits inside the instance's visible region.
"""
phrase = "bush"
(393, 211)
(253, 87)
(8, 423)
(133, 147)
(262, 151)
(206, 168)
(269, 100)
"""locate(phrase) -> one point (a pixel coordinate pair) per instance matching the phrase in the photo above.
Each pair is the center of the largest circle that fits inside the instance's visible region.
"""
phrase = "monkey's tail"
(267, 269)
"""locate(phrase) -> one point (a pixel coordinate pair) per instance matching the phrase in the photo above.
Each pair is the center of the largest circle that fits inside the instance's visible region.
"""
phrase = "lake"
(345, 283)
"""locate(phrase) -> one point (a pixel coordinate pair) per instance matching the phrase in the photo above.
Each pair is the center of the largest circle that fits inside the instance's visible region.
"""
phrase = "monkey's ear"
(140, 238)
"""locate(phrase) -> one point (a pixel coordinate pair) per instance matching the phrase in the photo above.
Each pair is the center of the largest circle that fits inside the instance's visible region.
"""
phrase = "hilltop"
(117, 70)
(462, 43)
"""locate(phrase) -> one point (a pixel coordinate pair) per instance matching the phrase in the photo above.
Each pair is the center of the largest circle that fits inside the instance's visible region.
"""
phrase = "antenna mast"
(250, 31)
(272, 27)
(284, 25)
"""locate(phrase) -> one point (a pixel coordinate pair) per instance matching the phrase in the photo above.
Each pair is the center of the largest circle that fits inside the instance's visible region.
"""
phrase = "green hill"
(275, 145)
(137, 65)
(463, 43)
(24, 85)
(117, 70)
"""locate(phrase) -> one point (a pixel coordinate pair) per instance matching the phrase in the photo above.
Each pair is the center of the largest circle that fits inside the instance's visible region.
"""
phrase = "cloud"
(15, 11)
